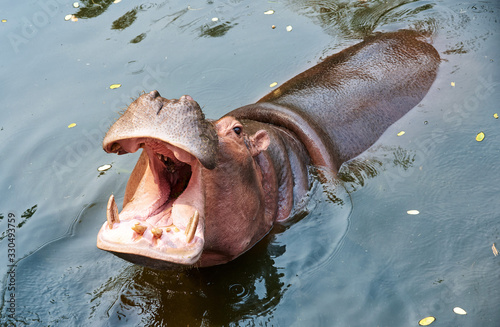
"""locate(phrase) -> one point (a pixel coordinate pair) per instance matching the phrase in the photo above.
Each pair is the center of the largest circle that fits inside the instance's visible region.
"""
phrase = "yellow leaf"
(413, 212)
(401, 133)
(426, 321)
(459, 311)
(4, 20)
(68, 17)
(269, 12)
(480, 137)
(114, 86)
(273, 84)
(71, 125)
(494, 249)
(495, 115)
(104, 167)
(453, 84)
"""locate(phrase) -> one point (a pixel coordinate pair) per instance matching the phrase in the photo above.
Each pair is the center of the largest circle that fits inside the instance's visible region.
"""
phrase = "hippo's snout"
(180, 123)
(162, 220)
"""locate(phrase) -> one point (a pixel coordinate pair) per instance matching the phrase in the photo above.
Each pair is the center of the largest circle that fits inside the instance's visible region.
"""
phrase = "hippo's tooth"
(112, 212)
(139, 229)
(157, 232)
(191, 226)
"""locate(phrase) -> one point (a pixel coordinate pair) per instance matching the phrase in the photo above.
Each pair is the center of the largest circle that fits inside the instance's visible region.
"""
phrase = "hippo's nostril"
(186, 97)
(154, 94)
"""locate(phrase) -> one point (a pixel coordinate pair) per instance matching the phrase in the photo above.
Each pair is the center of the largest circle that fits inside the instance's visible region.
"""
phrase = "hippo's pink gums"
(203, 192)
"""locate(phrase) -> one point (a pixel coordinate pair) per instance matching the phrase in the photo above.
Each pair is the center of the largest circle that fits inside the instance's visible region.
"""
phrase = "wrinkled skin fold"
(203, 192)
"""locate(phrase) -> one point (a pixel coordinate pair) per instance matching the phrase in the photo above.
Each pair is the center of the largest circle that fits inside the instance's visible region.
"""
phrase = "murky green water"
(357, 259)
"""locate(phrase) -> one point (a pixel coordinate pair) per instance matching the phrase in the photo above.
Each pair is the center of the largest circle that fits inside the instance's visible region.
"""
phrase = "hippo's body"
(203, 192)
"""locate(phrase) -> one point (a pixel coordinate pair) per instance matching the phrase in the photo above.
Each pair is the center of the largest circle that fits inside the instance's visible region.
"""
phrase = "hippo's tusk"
(191, 226)
(139, 229)
(157, 232)
(112, 212)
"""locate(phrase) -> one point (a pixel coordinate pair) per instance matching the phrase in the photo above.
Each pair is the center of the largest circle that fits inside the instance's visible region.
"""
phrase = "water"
(356, 259)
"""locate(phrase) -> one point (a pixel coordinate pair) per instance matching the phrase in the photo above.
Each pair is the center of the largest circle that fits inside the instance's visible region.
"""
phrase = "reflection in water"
(125, 21)
(357, 19)
(217, 30)
(243, 288)
(27, 214)
(241, 291)
(357, 170)
(92, 8)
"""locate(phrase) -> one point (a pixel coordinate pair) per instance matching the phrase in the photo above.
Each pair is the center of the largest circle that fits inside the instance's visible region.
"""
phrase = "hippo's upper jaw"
(162, 221)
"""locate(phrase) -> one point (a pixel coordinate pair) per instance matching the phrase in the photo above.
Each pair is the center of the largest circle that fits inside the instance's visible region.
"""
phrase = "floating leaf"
(215, 19)
(273, 27)
(401, 133)
(480, 137)
(494, 249)
(114, 86)
(273, 84)
(68, 17)
(269, 12)
(4, 20)
(104, 167)
(453, 84)
(289, 28)
(495, 115)
(76, 4)
(459, 311)
(413, 212)
(71, 125)
(116, 1)
(426, 321)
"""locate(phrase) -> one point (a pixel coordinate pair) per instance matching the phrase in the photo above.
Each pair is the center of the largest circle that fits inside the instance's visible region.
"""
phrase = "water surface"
(356, 259)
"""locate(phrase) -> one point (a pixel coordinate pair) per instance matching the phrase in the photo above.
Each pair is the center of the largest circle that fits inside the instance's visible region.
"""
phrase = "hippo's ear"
(260, 142)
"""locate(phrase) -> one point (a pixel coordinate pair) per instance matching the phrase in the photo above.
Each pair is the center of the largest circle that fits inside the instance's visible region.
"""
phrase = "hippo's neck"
(284, 168)
(320, 148)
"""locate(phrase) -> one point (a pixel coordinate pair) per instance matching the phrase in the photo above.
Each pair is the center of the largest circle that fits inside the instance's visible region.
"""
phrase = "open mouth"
(162, 220)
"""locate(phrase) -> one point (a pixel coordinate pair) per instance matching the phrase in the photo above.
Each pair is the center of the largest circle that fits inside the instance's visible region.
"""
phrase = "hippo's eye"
(237, 130)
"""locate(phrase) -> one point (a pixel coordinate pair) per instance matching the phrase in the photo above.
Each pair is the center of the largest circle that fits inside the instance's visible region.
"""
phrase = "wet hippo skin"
(203, 192)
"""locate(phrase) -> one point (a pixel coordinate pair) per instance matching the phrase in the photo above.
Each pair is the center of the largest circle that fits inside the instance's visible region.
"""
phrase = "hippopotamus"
(205, 191)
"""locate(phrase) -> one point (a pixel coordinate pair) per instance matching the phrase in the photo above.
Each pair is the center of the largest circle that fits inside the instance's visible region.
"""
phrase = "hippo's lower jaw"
(162, 221)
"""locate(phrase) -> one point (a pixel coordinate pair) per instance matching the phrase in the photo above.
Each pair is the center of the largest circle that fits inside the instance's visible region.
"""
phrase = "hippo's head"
(196, 195)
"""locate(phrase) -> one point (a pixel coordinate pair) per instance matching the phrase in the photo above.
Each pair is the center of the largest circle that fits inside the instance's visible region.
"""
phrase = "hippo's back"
(355, 95)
